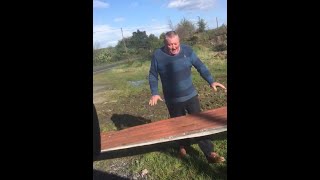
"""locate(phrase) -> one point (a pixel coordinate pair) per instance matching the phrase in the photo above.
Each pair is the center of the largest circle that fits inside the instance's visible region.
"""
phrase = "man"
(173, 62)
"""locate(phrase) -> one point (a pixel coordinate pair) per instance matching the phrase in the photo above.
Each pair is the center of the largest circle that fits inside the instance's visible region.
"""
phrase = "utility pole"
(125, 47)
(217, 21)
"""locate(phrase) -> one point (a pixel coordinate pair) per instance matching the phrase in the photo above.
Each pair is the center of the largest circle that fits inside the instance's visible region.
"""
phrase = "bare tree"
(124, 42)
(170, 24)
(217, 22)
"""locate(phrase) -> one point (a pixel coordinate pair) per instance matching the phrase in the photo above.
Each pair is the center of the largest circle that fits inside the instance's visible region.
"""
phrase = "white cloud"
(157, 30)
(119, 19)
(100, 4)
(191, 4)
(105, 35)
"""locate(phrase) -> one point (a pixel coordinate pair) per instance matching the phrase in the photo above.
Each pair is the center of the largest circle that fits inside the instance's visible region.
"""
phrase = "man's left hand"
(215, 84)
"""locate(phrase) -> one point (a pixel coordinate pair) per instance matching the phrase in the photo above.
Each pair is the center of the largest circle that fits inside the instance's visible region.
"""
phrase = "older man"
(173, 62)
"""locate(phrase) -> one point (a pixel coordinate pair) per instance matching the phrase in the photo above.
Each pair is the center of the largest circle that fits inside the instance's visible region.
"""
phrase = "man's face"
(173, 45)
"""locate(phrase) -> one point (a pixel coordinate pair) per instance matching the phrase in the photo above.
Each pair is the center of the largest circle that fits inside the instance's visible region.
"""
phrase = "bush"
(220, 47)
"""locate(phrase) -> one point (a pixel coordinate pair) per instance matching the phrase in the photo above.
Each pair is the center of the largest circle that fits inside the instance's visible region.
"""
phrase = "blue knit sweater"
(175, 74)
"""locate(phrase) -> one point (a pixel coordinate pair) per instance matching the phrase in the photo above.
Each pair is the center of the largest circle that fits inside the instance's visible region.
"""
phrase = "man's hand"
(215, 84)
(154, 99)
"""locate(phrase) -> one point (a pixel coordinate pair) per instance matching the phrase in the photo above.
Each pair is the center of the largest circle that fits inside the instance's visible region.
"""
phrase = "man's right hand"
(154, 99)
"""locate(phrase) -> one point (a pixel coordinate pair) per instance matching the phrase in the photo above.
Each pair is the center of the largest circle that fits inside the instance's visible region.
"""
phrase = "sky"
(152, 16)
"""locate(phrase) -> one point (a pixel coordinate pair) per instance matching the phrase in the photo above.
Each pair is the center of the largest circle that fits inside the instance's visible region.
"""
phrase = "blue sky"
(152, 16)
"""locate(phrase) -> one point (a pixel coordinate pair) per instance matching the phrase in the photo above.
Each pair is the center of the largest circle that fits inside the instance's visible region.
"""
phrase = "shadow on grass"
(219, 136)
(215, 171)
(122, 121)
(198, 160)
(100, 175)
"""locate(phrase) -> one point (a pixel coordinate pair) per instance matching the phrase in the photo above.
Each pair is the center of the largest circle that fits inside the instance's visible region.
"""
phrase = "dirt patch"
(118, 168)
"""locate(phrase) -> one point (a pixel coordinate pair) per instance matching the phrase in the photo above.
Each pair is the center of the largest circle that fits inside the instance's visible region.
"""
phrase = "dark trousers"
(190, 106)
(96, 135)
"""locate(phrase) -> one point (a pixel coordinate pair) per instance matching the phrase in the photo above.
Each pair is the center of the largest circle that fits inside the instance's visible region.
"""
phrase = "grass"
(165, 165)
(123, 105)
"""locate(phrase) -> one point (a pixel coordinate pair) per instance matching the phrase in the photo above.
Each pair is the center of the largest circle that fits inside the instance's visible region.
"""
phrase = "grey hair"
(170, 34)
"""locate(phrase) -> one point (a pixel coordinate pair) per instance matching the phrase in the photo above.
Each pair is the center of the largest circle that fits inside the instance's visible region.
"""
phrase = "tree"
(185, 29)
(138, 40)
(162, 35)
(153, 42)
(170, 24)
(201, 25)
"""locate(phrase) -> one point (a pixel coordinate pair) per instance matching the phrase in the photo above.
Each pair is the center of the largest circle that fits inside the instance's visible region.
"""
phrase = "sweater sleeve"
(153, 76)
(201, 68)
